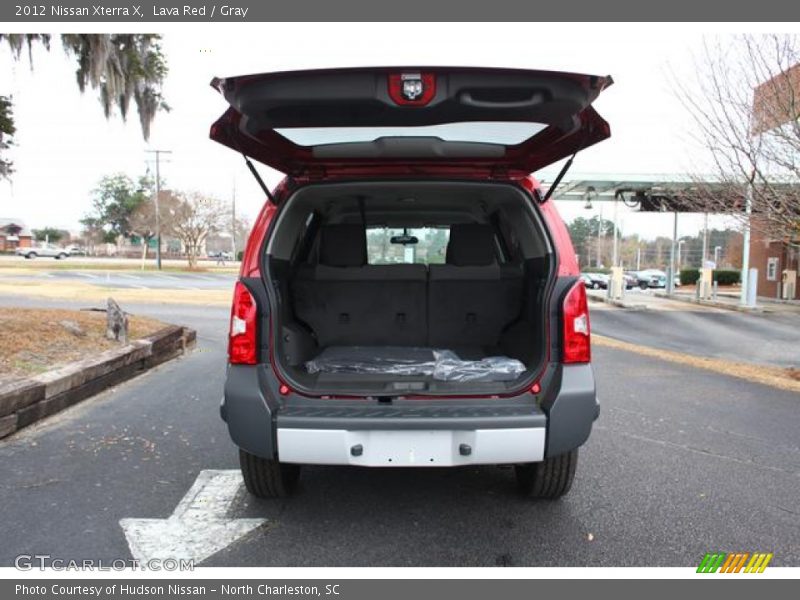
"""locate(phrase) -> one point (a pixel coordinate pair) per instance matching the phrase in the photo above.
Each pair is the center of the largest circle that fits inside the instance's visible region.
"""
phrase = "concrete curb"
(712, 304)
(26, 401)
(617, 303)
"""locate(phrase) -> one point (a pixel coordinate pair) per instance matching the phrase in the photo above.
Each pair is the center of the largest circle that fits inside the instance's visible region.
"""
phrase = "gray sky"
(64, 144)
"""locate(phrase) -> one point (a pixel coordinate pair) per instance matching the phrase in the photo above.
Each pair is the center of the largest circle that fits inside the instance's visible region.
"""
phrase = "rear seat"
(348, 302)
(467, 302)
(471, 299)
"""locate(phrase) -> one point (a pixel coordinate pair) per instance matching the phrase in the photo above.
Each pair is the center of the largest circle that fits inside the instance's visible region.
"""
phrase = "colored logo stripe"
(711, 562)
(758, 563)
(734, 562)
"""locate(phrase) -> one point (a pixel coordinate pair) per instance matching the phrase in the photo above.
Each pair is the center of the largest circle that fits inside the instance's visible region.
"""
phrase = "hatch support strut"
(559, 177)
(260, 181)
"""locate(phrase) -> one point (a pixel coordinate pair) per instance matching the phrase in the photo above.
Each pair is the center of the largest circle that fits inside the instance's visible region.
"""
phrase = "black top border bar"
(151, 11)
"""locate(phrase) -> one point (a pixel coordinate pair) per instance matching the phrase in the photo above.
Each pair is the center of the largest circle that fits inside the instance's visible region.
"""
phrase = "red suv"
(408, 296)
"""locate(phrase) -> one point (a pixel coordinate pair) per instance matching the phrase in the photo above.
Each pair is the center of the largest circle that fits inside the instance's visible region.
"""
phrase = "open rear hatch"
(417, 120)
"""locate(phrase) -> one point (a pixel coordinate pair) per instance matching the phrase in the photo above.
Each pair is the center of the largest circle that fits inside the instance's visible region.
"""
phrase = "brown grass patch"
(785, 379)
(34, 340)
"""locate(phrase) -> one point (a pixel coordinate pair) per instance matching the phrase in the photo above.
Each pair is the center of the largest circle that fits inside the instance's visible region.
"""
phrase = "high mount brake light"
(242, 341)
(577, 333)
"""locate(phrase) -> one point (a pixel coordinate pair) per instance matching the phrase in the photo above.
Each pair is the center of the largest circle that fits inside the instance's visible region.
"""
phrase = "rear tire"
(550, 479)
(61, 256)
(30, 255)
(265, 478)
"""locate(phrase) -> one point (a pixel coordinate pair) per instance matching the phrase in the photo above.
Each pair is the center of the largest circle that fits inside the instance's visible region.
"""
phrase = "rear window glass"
(385, 245)
(507, 133)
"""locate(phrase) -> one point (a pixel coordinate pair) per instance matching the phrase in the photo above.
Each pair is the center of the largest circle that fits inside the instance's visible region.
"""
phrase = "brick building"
(774, 105)
(771, 258)
(14, 234)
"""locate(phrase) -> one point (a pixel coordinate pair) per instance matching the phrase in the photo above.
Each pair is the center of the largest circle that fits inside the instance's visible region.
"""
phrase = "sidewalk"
(647, 300)
(731, 301)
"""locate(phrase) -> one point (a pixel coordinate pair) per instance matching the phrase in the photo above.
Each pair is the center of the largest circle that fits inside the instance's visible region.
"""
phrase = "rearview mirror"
(404, 239)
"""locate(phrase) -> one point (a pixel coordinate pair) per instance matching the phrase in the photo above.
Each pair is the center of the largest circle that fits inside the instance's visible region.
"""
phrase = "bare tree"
(193, 218)
(142, 221)
(745, 108)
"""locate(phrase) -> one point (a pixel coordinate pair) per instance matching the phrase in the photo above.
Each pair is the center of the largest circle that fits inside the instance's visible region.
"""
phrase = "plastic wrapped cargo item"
(449, 367)
(442, 365)
(389, 360)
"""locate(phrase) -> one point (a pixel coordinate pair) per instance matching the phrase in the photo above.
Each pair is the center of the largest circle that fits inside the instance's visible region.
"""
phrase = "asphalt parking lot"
(680, 463)
(768, 338)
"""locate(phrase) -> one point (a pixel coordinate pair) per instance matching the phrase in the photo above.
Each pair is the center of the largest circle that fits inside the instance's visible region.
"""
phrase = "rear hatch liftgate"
(435, 120)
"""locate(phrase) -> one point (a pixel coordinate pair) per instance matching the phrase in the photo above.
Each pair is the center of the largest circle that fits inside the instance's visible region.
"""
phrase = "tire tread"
(550, 479)
(266, 478)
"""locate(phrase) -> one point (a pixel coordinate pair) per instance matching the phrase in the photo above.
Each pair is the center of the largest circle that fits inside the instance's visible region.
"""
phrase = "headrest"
(343, 245)
(470, 245)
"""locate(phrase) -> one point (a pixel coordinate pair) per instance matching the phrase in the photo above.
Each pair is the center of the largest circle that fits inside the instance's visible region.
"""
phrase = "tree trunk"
(144, 251)
(191, 254)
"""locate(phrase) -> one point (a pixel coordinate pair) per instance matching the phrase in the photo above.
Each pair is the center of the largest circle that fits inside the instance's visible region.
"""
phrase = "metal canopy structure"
(660, 193)
(648, 192)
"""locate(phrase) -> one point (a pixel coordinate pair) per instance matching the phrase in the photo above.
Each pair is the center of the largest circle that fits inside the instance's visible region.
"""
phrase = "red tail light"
(242, 341)
(577, 335)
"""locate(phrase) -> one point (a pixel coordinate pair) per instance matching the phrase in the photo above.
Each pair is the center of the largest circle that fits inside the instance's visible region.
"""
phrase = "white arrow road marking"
(198, 527)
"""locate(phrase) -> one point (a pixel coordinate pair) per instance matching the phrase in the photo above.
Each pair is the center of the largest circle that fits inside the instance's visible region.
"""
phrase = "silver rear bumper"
(411, 447)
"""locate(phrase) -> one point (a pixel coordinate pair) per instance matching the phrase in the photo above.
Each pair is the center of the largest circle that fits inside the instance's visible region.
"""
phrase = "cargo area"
(400, 288)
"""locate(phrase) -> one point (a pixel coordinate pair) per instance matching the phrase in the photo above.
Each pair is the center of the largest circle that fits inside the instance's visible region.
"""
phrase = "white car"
(48, 250)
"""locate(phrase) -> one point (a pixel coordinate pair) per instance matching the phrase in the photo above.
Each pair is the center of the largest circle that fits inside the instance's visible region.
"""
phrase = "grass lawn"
(77, 290)
(34, 340)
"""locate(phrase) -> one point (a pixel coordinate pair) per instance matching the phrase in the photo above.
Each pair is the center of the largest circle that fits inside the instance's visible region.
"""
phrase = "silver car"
(48, 250)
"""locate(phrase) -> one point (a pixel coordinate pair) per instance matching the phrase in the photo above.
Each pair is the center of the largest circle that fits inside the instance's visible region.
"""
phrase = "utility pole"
(615, 252)
(671, 273)
(748, 209)
(158, 154)
(233, 219)
(600, 238)
(705, 242)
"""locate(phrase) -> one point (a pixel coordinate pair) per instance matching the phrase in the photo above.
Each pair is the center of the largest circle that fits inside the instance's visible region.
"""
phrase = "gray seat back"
(471, 299)
(348, 302)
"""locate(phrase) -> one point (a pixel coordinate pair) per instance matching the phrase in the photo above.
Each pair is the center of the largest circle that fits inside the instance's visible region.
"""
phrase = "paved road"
(765, 338)
(96, 262)
(131, 279)
(681, 462)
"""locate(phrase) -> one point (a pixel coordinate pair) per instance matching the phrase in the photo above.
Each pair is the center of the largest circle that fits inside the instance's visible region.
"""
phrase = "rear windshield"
(507, 133)
(396, 245)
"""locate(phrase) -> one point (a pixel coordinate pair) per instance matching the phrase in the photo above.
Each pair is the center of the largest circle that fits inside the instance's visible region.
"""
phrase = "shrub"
(239, 255)
(689, 276)
(727, 276)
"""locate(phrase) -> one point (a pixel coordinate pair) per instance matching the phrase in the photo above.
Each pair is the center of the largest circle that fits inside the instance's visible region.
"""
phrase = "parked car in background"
(651, 278)
(46, 250)
(631, 281)
(654, 278)
(76, 251)
(595, 281)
